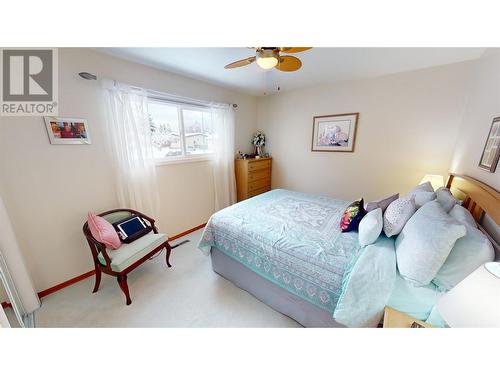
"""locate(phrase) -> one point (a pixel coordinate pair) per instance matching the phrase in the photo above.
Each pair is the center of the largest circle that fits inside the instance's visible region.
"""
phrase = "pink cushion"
(103, 231)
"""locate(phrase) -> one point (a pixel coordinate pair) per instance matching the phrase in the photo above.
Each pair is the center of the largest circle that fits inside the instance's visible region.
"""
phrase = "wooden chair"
(129, 256)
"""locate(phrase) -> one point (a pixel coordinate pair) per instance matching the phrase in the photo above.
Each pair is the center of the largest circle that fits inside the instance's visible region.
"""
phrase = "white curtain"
(223, 165)
(130, 140)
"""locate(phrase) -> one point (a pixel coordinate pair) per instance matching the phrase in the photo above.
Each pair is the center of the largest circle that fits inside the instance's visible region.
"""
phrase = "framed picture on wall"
(491, 151)
(334, 132)
(67, 131)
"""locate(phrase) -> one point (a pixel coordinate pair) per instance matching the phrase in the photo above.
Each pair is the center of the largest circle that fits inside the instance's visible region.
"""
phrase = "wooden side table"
(397, 319)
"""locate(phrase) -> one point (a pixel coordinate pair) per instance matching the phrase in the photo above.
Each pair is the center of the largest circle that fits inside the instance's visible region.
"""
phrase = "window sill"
(183, 160)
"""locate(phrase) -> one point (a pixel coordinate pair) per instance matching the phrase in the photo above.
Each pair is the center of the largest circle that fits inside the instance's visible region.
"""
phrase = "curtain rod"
(159, 95)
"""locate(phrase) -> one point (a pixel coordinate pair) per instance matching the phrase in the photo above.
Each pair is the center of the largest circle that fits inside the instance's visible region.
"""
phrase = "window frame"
(184, 158)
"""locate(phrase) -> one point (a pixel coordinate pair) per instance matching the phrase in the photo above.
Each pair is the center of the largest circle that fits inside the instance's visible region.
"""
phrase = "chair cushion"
(103, 231)
(130, 253)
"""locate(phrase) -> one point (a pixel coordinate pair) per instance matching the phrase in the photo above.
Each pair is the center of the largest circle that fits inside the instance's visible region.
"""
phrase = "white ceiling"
(319, 65)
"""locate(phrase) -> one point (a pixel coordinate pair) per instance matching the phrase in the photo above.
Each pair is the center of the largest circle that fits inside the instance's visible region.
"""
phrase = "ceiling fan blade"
(288, 64)
(240, 63)
(293, 49)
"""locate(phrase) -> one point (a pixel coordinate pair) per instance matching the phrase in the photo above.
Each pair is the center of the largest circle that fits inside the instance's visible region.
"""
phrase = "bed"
(287, 250)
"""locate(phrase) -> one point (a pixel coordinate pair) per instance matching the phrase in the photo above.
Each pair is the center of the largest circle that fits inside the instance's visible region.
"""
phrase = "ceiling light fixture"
(267, 58)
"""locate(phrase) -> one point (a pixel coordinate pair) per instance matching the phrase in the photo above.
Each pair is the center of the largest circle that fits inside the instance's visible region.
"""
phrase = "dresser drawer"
(258, 191)
(259, 164)
(254, 185)
(258, 174)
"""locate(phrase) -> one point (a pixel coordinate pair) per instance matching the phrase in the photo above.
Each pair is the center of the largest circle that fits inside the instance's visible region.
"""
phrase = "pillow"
(446, 199)
(103, 231)
(425, 242)
(423, 197)
(370, 227)
(426, 186)
(462, 215)
(397, 214)
(383, 203)
(466, 256)
(352, 216)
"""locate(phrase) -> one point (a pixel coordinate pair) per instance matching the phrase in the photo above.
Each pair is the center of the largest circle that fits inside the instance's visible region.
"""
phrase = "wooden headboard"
(477, 197)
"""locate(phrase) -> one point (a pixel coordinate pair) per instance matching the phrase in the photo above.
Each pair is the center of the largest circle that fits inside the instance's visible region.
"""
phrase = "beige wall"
(407, 127)
(483, 105)
(48, 190)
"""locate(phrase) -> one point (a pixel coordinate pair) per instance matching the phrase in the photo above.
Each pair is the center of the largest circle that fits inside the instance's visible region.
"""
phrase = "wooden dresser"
(253, 177)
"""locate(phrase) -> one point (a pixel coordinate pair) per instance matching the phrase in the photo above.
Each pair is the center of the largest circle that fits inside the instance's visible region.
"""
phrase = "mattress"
(290, 239)
(279, 299)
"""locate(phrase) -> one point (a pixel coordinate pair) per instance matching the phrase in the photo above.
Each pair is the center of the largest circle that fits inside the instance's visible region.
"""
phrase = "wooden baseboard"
(81, 277)
(186, 232)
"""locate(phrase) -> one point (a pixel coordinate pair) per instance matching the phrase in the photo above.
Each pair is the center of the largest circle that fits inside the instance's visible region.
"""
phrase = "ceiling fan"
(270, 57)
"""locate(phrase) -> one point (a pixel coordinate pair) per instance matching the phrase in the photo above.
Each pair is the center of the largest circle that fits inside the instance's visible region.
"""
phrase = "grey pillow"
(446, 199)
(468, 253)
(462, 215)
(382, 203)
(426, 186)
(397, 214)
(425, 242)
(423, 197)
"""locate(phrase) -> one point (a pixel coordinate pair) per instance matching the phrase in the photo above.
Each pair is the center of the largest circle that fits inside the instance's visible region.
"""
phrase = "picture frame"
(67, 130)
(334, 133)
(491, 150)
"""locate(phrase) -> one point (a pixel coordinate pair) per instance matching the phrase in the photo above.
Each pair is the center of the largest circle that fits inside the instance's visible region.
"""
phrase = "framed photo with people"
(67, 131)
(334, 132)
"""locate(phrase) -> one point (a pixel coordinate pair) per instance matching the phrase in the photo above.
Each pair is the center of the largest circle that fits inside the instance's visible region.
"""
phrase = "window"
(180, 131)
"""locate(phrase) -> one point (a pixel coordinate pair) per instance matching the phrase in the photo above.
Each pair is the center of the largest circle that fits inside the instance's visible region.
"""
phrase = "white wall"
(407, 128)
(48, 189)
(483, 105)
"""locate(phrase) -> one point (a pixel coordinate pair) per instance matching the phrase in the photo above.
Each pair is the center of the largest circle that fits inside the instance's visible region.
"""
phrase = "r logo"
(27, 75)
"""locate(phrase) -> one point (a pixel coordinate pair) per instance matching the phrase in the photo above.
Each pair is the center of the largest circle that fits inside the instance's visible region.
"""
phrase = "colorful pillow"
(382, 204)
(397, 214)
(446, 199)
(425, 242)
(103, 231)
(352, 216)
(370, 227)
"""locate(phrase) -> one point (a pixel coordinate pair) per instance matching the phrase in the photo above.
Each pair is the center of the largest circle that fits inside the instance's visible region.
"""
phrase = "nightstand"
(397, 319)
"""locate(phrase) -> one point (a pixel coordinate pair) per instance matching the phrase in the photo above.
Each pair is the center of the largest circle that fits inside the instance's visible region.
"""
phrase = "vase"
(259, 151)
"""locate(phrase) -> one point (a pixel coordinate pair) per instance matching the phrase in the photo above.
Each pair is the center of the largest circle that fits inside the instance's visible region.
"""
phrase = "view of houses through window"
(179, 130)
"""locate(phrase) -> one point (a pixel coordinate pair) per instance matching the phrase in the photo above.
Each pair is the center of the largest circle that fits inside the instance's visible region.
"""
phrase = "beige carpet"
(189, 294)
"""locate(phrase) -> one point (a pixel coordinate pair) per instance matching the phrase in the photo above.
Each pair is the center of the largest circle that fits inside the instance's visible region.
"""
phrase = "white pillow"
(370, 227)
(423, 197)
(462, 215)
(446, 199)
(397, 214)
(467, 255)
(425, 242)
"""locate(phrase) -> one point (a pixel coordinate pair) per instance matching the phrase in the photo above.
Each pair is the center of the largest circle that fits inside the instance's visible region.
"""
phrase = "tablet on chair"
(132, 229)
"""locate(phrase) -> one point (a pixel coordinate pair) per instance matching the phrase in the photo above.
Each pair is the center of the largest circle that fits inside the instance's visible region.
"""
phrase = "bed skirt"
(272, 295)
